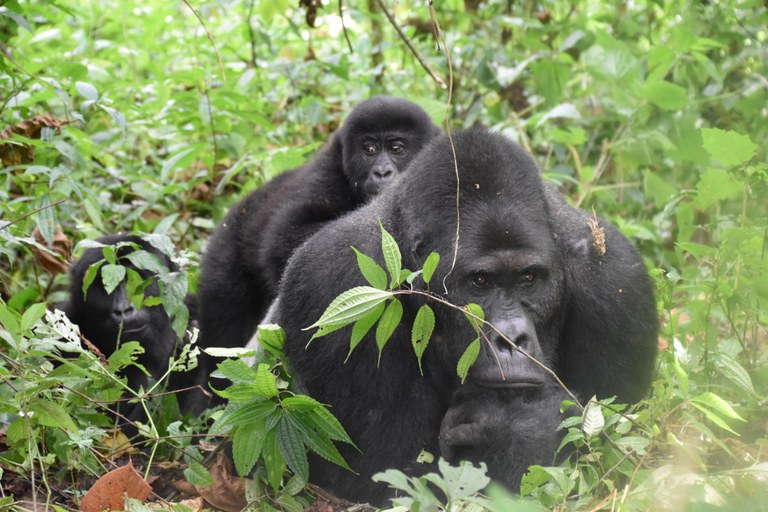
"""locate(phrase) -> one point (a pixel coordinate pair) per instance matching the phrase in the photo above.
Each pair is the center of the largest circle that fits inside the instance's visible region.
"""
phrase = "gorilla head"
(588, 316)
(379, 138)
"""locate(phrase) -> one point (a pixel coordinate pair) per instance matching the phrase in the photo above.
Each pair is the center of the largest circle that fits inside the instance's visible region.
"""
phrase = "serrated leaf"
(665, 95)
(147, 261)
(728, 147)
(471, 311)
(717, 185)
(89, 276)
(362, 327)
(87, 91)
(196, 474)
(392, 257)
(30, 317)
(236, 371)
(252, 412)
(423, 327)
(593, 421)
(319, 443)
(389, 321)
(322, 420)
(246, 446)
(465, 480)
(51, 414)
(351, 305)
(112, 276)
(289, 440)
(733, 371)
(429, 267)
(272, 338)
(273, 460)
(714, 418)
(371, 271)
(467, 359)
(300, 403)
(266, 384)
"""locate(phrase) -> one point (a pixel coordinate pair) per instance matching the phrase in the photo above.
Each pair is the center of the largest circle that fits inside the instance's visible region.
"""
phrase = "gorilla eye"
(370, 149)
(480, 280)
(528, 277)
(396, 148)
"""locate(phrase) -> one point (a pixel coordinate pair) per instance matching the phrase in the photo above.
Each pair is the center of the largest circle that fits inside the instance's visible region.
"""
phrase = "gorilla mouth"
(529, 382)
(132, 331)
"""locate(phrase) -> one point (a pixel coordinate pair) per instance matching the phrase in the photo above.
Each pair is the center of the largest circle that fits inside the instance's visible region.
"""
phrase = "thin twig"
(410, 45)
(344, 27)
(210, 38)
(49, 205)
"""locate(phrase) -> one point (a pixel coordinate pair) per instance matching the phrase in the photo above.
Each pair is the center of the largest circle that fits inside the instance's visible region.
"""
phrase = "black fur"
(248, 251)
(528, 259)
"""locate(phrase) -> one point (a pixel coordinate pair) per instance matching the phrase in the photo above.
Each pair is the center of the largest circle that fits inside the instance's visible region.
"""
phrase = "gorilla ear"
(417, 250)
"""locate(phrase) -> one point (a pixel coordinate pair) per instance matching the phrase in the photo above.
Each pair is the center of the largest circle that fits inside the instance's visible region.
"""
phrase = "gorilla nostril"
(383, 173)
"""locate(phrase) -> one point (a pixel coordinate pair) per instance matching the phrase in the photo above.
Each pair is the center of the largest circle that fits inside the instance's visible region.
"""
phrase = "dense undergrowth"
(156, 116)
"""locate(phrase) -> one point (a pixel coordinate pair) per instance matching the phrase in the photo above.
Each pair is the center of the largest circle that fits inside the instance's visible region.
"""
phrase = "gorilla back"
(522, 257)
(248, 251)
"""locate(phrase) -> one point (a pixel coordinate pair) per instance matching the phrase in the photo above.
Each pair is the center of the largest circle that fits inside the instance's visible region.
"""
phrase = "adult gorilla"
(528, 259)
(248, 251)
(107, 320)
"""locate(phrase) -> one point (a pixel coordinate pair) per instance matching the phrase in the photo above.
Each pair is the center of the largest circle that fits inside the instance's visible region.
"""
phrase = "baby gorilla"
(110, 319)
(249, 249)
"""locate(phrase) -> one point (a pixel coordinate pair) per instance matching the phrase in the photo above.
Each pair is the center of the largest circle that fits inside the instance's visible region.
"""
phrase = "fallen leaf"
(14, 153)
(55, 260)
(228, 491)
(109, 491)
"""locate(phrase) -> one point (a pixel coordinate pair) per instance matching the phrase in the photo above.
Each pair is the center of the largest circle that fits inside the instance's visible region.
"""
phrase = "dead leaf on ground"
(109, 491)
(55, 261)
(13, 153)
(228, 491)
(117, 444)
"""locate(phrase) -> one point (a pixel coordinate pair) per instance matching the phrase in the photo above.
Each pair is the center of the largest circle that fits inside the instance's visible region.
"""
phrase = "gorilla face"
(379, 139)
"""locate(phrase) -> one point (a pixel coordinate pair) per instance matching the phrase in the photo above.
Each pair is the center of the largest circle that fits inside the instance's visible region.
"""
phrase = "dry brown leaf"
(117, 444)
(16, 154)
(598, 236)
(109, 491)
(228, 491)
(58, 262)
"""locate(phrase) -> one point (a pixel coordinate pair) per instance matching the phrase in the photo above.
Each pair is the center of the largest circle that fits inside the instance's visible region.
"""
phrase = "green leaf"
(387, 324)
(89, 276)
(471, 311)
(728, 147)
(467, 359)
(273, 460)
(87, 91)
(272, 338)
(236, 371)
(421, 333)
(715, 186)
(265, 382)
(465, 480)
(593, 421)
(52, 414)
(319, 443)
(289, 440)
(112, 276)
(300, 403)
(371, 271)
(392, 257)
(147, 261)
(30, 317)
(351, 305)
(322, 420)
(665, 95)
(246, 446)
(717, 404)
(362, 327)
(196, 474)
(733, 371)
(429, 267)
(252, 412)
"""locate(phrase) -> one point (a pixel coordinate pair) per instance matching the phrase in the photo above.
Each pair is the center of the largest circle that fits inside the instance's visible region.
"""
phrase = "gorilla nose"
(123, 311)
(383, 173)
(519, 331)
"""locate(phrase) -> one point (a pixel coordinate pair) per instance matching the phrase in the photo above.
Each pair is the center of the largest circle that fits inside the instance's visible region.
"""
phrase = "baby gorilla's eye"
(396, 148)
(480, 280)
(370, 149)
(528, 277)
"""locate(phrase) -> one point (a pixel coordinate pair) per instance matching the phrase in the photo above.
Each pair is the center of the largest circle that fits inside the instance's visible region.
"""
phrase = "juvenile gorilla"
(528, 259)
(248, 251)
(108, 320)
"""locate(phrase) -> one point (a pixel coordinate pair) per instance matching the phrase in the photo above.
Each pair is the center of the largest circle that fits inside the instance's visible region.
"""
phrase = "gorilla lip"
(509, 383)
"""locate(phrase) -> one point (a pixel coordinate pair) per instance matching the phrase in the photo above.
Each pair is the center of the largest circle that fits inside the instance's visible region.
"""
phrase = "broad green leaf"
(467, 359)
(465, 480)
(319, 443)
(423, 327)
(733, 371)
(389, 321)
(716, 185)
(371, 271)
(392, 257)
(713, 417)
(246, 446)
(90, 275)
(236, 371)
(471, 311)
(290, 437)
(429, 267)
(272, 338)
(9, 319)
(593, 421)
(146, 260)
(322, 420)
(362, 327)
(265, 382)
(300, 403)
(682, 377)
(45, 218)
(30, 317)
(656, 188)
(112, 276)
(196, 474)
(717, 404)
(665, 95)
(52, 414)
(273, 460)
(252, 412)
(351, 305)
(728, 147)
(87, 90)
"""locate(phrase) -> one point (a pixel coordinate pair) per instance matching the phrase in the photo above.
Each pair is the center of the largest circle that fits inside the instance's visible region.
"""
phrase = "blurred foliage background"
(155, 116)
